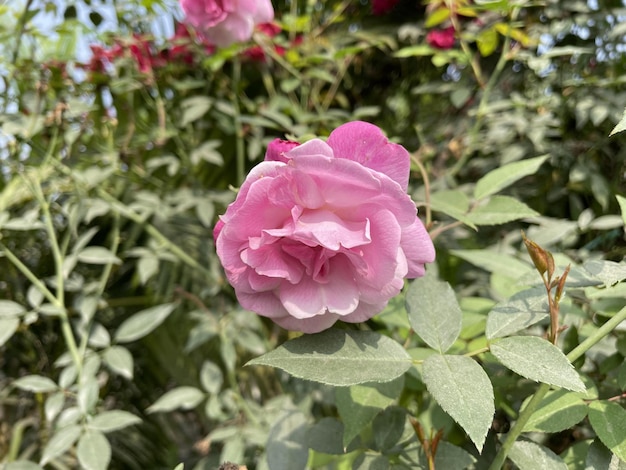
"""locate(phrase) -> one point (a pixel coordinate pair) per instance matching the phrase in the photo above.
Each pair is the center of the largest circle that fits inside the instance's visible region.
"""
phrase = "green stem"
(600, 333)
(426, 180)
(519, 425)
(21, 28)
(527, 412)
(66, 328)
(17, 437)
(484, 101)
(476, 352)
(239, 143)
(28, 274)
(471, 57)
(104, 277)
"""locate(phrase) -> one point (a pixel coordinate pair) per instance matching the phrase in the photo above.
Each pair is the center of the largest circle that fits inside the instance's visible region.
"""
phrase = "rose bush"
(324, 231)
(224, 22)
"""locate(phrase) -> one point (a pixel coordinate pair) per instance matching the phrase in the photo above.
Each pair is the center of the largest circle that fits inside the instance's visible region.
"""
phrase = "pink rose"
(224, 22)
(324, 231)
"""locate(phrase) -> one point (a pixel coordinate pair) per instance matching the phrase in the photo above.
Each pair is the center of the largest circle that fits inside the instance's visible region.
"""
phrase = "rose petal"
(364, 312)
(263, 303)
(277, 148)
(307, 325)
(418, 248)
(309, 298)
(312, 148)
(382, 279)
(270, 261)
(322, 227)
(365, 143)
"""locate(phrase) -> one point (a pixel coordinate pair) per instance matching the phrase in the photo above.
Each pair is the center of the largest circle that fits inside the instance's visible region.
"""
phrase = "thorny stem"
(527, 412)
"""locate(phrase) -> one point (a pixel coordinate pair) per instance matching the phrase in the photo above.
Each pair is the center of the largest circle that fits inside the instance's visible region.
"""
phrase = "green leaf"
(8, 326)
(557, 411)
(97, 255)
(184, 398)
(601, 458)
(143, 323)
(8, 308)
(414, 51)
(506, 175)
(388, 427)
(609, 272)
(286, 447)
(207, 151)
(487, 42)
(530, 456)
(194, 108)
(211, 377)
(621, 200)
(119, 360)
(621, 125)
(500, 210)
(88, 391)
(109, 421)
(461, 387)
(367, 461)
(574, 456)
(22, 465)
(437, 17)
(494, 262)
(325, 436)
(453, 203)
(517, 313)
(608, 420)
(359, 404)
(452, 457)
(93, 451)
(339, 357)
(35, 384)
(60, 442)
(53, 405)
(537, 359)
(434, 312)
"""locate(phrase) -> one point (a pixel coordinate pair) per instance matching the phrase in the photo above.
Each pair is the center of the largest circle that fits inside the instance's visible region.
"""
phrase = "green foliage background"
(112, 181)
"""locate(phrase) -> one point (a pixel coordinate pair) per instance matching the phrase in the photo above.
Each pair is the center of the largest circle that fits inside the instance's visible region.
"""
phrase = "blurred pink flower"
(381, 7)
(224, 22)
(257, 53)
(441, 38)
(324, 231)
